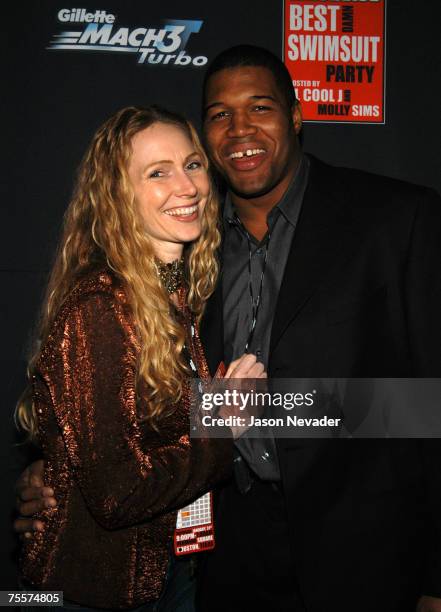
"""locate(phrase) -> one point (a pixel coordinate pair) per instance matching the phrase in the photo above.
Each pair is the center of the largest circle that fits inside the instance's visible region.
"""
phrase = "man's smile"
(245, 157)
(246, 153)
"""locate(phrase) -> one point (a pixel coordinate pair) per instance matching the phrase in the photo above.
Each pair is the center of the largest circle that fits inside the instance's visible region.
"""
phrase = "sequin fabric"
(118, 482)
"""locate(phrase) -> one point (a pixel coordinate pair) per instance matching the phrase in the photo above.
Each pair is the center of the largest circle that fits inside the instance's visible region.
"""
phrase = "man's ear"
(296, 114)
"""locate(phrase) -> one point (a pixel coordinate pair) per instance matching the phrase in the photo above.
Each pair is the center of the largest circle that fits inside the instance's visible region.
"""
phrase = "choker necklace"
(171, 274)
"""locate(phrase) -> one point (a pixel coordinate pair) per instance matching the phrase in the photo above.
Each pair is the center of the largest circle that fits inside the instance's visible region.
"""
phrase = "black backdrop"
(54, 100)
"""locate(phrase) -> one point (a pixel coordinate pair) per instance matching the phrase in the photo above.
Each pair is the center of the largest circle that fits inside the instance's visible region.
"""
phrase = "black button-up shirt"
(244, 265)
(246, 277)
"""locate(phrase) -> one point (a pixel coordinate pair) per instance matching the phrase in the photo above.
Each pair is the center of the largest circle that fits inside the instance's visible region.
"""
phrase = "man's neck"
(254, 219)
(253, 212)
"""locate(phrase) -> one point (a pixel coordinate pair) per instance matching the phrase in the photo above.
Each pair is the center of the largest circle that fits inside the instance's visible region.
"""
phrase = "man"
(326, 273)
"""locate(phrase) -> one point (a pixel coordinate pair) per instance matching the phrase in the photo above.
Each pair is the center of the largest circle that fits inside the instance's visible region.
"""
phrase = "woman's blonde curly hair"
(102, 223)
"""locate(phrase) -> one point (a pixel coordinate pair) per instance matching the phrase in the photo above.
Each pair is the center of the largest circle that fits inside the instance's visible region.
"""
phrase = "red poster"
(334, 51)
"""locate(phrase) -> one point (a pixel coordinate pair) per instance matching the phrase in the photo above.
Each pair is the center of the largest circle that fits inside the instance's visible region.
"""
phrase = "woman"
(118, 341)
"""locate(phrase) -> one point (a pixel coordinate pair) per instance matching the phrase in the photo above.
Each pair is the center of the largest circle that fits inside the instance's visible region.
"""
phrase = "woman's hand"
(246, 366)
(245, 371)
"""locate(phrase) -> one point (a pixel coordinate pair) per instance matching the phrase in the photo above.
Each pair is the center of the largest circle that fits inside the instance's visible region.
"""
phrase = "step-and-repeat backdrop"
(366, 72)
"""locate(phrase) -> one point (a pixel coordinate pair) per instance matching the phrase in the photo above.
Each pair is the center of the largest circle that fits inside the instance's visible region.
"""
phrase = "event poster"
(334, 51)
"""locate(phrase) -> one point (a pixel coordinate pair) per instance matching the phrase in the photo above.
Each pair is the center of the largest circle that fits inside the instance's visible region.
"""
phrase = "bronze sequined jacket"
(118, 482)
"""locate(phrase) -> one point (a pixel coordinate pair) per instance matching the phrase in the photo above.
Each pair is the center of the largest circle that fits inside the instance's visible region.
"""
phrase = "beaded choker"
(171, 274)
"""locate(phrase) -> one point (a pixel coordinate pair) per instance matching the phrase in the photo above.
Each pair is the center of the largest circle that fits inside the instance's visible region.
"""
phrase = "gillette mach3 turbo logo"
(98, 30)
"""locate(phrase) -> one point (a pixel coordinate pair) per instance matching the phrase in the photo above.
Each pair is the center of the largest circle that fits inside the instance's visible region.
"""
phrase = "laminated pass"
(195, 527)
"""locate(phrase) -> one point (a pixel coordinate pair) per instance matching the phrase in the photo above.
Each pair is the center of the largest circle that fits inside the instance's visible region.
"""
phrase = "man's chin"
(249, 191)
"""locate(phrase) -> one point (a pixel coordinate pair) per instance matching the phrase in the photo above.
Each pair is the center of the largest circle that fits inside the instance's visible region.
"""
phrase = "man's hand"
(32, 497)
(429, 604)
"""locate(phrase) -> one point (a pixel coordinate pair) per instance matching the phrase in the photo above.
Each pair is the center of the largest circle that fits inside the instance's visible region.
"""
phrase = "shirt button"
(259, 251)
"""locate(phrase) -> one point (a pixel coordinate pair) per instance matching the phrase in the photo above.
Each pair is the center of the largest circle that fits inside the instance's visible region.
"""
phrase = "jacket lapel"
(318, 240)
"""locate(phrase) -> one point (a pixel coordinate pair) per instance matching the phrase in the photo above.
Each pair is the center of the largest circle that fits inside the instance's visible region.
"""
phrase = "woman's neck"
(168, 252)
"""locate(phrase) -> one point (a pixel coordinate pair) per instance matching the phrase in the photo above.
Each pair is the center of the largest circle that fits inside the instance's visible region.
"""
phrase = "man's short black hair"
(250, 55)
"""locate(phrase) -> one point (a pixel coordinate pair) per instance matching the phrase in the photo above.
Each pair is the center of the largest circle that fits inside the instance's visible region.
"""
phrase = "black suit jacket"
(360, 297)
